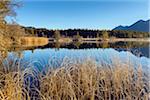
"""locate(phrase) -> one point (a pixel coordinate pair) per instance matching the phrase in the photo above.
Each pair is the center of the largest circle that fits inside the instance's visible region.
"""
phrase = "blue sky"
(91, 14)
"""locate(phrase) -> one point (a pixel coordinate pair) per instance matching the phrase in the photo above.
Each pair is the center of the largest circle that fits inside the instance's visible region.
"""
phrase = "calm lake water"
(55, 54)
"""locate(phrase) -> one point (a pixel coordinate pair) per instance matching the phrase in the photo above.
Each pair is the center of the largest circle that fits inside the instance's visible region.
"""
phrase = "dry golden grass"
(87, 81)
(81, 81)
(34, 41)
(12, 86)
(4, 42)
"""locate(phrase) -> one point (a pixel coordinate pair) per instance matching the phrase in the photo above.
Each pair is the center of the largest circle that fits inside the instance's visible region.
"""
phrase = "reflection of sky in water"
(52, 57)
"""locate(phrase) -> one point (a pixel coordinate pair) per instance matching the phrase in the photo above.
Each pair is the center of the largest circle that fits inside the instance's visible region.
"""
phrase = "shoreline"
(68, 40)
(116, 40)
(35, 41)
(41, 41)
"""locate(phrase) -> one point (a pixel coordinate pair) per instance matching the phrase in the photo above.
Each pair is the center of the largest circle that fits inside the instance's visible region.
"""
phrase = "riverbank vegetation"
(74, 81)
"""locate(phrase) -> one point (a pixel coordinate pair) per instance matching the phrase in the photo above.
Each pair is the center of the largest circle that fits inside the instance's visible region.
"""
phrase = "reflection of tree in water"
(57, 45)
(134, 47)
(105, 45)
(98, 45)
(77, 44)
(128, 45)
(137, 48)
(32, 50)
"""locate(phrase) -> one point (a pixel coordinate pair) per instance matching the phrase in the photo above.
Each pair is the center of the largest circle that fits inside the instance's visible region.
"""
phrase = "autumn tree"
(7, 9)
(4, 11)
(57, 35)
(9, 31)
(105, 35)
(77, 37)
(15, 32)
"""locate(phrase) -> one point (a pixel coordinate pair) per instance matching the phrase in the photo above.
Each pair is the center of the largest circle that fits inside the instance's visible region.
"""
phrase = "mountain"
(141, 26)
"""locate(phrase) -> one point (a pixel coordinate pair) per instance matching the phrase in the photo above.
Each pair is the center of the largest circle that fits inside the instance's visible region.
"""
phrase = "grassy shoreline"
(78, 81)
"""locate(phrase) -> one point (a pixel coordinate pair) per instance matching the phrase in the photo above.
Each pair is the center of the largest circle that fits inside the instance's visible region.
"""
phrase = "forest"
(85, 33)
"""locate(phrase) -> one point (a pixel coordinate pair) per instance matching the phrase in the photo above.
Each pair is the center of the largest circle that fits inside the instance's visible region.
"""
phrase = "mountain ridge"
(141, 26)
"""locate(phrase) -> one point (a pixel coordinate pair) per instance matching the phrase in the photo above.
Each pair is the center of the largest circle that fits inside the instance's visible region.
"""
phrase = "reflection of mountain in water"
(143, 51)
(138, 49)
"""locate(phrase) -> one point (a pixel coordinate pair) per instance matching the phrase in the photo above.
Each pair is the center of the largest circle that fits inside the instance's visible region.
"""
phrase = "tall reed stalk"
(79, 81)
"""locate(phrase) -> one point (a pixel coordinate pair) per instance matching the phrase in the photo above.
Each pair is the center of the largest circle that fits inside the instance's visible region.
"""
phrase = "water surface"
(54, 54)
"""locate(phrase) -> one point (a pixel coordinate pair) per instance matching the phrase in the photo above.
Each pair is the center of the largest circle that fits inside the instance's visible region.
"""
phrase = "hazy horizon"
(84, 14)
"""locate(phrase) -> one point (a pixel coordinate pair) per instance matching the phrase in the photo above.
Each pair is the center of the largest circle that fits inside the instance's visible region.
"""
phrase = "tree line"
(85, 33)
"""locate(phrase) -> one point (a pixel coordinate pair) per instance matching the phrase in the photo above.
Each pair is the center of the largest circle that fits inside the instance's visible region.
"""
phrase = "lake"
(55, 54)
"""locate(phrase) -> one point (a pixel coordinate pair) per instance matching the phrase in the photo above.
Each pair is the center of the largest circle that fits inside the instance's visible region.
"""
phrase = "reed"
(12, 81)
(89, 81)
(33, 41)
(78, 81)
